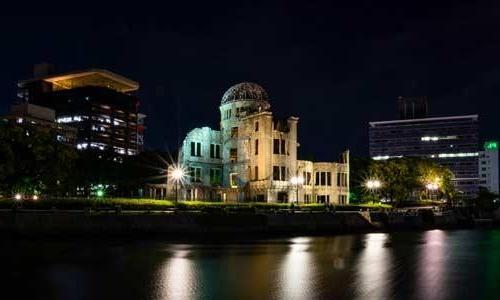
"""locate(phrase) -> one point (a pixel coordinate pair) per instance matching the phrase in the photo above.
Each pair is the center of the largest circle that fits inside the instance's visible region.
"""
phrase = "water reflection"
(373, 279)
(296, 273)
(431, 265)
(341, 250)
(177, 278)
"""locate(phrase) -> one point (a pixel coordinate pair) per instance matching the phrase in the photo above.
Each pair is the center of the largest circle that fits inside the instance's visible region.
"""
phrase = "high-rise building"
(488, 167)
(29, 116)
(253, 157)
(450, 141)
(102, 105)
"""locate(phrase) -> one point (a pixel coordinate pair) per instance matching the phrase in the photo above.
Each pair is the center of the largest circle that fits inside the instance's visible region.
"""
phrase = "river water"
(462, 264)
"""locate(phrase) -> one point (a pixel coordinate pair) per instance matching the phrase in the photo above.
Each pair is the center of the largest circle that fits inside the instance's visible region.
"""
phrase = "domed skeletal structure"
(245, 91)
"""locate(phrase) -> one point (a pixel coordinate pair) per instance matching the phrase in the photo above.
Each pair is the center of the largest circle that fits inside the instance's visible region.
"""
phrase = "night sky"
(335, 67)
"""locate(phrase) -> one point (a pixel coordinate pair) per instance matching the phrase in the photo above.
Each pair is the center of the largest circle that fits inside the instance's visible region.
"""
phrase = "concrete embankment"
(61, 223)
(186, 223)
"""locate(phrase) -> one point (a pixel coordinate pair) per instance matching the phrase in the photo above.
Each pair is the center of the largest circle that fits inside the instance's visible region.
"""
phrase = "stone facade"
(254, 157)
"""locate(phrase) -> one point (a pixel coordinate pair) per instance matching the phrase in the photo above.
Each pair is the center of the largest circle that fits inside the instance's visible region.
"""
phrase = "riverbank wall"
(59, 223)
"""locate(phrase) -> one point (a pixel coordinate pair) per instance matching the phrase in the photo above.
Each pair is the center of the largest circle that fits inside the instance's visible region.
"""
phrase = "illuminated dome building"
(253, 157)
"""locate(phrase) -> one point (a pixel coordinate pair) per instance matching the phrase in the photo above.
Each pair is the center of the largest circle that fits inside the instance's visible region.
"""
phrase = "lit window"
(233, 180)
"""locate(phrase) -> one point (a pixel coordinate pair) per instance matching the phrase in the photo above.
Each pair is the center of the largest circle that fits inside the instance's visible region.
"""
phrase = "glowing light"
(297, 180)
(18, 197)
(35, 197)
(451, 155)
(385, 157)
(432, 186)
(437, 138)
(178, 174)
(100, 193)
(373, 184)
(491, 145)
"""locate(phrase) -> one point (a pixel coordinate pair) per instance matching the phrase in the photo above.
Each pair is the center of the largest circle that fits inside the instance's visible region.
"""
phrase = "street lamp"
(18, 196)
(432, 186)
(177, 173)
(373, 185)
(296, 181)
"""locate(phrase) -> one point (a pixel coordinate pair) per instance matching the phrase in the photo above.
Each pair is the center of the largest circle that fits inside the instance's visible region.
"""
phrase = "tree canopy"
(32, 161)
(402, 179)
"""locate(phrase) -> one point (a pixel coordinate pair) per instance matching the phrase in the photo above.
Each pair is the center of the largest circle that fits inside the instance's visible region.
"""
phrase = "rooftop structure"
(102, 105)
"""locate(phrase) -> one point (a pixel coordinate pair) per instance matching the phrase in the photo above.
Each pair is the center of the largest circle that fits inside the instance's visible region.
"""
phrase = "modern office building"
(451, 141)
(253, 157)
(488, 167)
(29, 116)
(102, 105)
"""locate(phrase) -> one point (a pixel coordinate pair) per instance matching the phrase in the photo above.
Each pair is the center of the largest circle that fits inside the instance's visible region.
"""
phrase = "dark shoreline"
(200, 226)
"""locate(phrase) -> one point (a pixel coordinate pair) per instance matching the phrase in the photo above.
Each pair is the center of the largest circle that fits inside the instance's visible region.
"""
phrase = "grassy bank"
(151, 204)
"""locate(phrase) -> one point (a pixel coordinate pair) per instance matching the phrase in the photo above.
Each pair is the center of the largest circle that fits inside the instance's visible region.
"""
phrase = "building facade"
(101, 105)
(29, 116)
(450, 141)
(253, 157)
(488, 167)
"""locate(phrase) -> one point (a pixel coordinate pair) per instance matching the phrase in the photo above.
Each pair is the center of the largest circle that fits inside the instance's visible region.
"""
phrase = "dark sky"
(336, 67)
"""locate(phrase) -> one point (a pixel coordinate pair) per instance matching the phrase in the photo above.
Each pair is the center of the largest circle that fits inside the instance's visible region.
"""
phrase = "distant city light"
(385, 157)
(18, 196)
(451, 155)
(437, 138)
(35, 197)
(100, 193)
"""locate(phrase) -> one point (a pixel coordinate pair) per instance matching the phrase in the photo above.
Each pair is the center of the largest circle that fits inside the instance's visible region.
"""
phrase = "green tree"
(405, 179)
(31, 160)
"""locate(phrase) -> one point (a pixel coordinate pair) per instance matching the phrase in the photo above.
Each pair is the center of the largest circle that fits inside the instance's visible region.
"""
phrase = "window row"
(323, 178)
(214, 150)
(215, 175)
(280, 173)
(342, 179)
(279, 146)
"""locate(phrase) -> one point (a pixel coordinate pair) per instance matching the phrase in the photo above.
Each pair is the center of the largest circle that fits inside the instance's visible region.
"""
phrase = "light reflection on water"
(297, 270)
(410, 265)
(177, 278)
(431, 264)
(372, 269)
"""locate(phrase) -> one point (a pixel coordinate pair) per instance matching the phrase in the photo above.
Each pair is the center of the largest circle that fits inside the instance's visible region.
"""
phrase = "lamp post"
(373, 185)
(177, 176)
(431, 187)
(296, 181)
